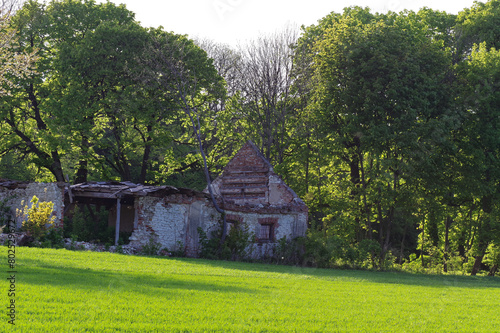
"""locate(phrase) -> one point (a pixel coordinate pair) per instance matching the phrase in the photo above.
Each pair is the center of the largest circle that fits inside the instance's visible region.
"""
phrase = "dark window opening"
(266, 232)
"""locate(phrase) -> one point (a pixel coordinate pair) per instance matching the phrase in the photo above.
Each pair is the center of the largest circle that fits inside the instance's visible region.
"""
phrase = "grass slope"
(65, 291)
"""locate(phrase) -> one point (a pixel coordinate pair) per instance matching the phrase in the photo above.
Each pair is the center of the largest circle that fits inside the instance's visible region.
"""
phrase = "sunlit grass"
(64, 291)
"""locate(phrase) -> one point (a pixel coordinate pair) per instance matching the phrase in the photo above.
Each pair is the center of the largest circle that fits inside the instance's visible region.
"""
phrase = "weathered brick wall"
(279, 193)
(172, 223)
(245, 178)
(248, 179)
(287, 226)
(169, 223)
(22, 195)
(252, 192)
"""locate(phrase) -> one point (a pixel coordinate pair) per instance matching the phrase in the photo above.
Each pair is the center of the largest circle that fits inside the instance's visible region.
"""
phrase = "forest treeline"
(387, 125)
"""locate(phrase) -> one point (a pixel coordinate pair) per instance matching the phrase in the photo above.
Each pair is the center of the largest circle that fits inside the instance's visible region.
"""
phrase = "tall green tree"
(56, 110)
(381, 92)
(187, 78)
(24, 124)
(480, 94)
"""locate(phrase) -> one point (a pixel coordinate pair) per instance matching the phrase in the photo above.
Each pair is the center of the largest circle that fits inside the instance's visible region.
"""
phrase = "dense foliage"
(387, 125)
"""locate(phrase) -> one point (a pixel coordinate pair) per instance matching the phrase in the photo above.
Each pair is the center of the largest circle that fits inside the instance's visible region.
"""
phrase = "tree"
(25, 124)
(381, 92)
(267, 103)
(14, 65)
(480, 84)
(84, 92)
(185, 75)
(480, 23)
(93, 86)
(67, 85)
(224, 133)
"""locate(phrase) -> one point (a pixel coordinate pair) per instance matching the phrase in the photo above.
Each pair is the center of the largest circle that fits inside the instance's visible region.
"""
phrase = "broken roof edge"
(295, 196)
(113, 190)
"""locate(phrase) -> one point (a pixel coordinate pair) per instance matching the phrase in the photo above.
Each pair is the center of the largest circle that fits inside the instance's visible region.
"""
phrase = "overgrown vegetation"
(236, 245)
(151, 248)
(89, 224)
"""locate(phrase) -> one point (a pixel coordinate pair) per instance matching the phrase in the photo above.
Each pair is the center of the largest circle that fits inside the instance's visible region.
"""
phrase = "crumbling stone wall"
(251, 193)
(21, 194)
(249, 180)
(172, 221)
(287, 226)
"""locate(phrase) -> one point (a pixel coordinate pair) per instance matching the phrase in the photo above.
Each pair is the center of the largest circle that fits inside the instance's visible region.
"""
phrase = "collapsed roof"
(115, 190)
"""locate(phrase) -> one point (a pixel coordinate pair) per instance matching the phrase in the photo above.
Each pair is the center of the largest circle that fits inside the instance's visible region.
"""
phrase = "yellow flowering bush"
(37, 218)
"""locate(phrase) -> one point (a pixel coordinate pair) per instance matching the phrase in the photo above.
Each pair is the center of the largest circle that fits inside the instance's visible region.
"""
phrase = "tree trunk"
(477, 264)
(82, 173)
(56, 167)
(145, 156)
(52, 162)
(126, 175)
(388, 230)
(482, 246)
(401, 249)
(493, 270)
(196, 129)
(446, 243)
(423, 241)
(83, 170)
(307, 166)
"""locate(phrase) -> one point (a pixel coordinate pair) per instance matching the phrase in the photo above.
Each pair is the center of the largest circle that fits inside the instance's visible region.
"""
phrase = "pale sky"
(236, 21)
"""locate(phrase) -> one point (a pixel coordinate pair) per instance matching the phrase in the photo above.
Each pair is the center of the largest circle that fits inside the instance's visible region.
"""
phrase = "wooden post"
(117, 224)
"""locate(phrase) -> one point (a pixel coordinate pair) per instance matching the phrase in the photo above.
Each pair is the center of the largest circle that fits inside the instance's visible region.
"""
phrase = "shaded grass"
(65, 291)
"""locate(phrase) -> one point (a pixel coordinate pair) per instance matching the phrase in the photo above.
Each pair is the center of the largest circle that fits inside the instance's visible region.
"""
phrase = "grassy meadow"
(66, 291)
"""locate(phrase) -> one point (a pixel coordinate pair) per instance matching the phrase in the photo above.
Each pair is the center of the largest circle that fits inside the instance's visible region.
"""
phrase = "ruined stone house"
(248, 190)
(252, 193)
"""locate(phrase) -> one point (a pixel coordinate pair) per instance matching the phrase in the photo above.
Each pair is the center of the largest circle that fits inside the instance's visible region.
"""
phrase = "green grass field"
(65, 291)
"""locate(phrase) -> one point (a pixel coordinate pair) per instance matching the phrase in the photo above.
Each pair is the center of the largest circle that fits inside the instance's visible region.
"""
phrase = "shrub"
(119, 249)
(290, 251)
(492, 258)
(81, 225)
(209, 247)
(93, 226)
(54, 238)
(151, 248)
(37, 218)
(323, 250)
(238, 239)
(180, 250)
(369, 249)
